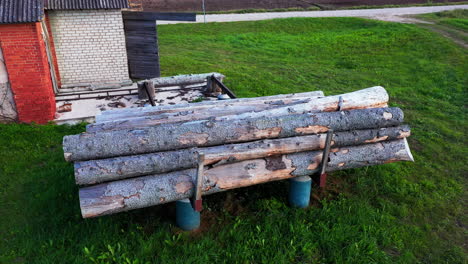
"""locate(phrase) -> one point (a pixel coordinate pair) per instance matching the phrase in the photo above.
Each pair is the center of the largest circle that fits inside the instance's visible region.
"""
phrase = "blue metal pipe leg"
(186, 217)
(299, 191)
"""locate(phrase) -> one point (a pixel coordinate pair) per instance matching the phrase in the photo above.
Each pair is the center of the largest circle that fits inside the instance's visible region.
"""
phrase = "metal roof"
(85, 4)
(21, 11)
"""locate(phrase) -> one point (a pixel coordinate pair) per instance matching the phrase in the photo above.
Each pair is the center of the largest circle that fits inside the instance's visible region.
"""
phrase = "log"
(204, 133)
(97, 171)
(125, 113)
(184, 79)
(186, 115)
(373, 97)
(217, 102)
(366, 98)
(124, 195)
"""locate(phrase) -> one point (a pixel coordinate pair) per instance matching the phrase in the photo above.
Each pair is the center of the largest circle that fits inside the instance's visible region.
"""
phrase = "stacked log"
(284, 99)
(142, 157)
(102, 170)
(118, 196)
(179, 80)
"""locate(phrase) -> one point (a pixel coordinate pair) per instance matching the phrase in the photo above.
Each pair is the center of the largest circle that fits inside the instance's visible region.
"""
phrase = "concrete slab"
(85, 110)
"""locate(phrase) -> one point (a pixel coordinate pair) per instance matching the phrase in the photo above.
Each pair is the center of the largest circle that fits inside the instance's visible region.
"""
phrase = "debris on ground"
(66, 107)
(85, 109)
(117, 105)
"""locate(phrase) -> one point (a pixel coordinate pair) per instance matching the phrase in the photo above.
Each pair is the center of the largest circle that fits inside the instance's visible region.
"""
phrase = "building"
(48, 45)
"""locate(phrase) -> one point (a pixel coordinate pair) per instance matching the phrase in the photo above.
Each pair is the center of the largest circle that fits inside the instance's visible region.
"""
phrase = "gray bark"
(8, 112)
(184, 79)
(367, 98)
(116, 114)
(157, 189)
(200, 133)
(187, 115)
(97, 171)
(373, 97)
(7, 102)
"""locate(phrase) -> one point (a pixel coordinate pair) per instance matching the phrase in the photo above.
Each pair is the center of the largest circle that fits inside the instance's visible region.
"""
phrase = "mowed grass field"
(395, 213)
(452, 24)
(457, 19)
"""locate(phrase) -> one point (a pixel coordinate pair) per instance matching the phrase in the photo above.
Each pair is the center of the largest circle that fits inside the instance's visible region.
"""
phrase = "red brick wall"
(28, 71)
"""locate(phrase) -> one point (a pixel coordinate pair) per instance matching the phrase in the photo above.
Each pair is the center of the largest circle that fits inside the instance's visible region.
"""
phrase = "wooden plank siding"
(142, 48)
(142, 41)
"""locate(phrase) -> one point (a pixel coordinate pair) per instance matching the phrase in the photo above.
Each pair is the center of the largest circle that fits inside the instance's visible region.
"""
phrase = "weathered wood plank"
(97, 171)
(119, 196)
(211, 132)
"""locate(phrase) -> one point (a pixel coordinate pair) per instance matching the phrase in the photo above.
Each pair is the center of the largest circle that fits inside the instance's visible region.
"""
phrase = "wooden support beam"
(197, 196)
(223, 87)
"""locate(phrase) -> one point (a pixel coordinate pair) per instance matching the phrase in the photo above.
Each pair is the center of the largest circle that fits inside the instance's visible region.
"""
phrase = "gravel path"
(387, 14)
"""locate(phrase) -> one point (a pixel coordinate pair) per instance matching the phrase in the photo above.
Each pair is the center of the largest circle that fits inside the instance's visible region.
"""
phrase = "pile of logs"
(134, 158)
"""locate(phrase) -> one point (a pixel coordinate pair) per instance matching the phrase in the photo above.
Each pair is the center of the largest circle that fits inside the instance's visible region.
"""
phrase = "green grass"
(457, 19)
(452, 24)
(428, 3)
(395, 213)
(456, 22)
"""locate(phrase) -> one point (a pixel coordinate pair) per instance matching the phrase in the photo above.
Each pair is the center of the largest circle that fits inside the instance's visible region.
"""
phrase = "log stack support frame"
(208, 82)
(148, 156)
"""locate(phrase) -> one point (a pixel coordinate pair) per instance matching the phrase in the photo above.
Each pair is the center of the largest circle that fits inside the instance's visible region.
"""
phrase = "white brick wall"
(90, 46)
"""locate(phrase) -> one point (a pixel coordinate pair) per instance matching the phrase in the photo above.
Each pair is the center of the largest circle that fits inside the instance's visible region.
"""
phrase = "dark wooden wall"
(142, 47)
(142, 41)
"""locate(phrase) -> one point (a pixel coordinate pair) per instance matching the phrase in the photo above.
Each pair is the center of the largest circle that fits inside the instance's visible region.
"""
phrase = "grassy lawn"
(395, 213)
(457, 19)
(452, 24)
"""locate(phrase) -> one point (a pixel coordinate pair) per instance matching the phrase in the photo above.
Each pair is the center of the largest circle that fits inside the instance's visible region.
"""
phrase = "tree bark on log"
(184, 79)
(98, 171)
(186, 115)
(373, 97)
(152, 190)
(206, 133)
(283, 99)
(367, 98)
